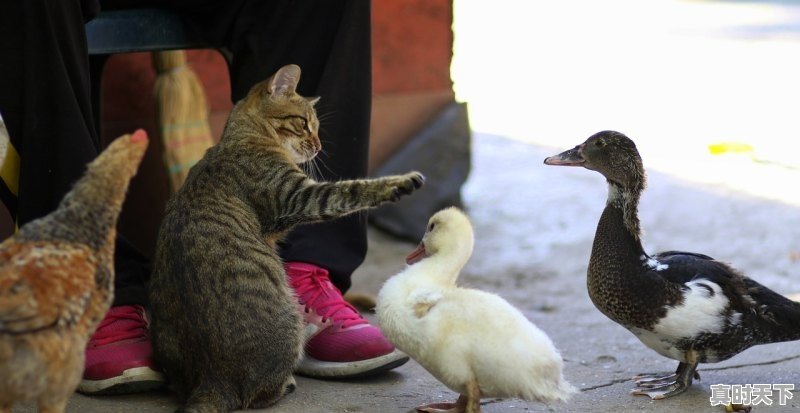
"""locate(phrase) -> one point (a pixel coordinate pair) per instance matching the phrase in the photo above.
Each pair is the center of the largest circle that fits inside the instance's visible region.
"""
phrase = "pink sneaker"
(119, 357)
(341, 343)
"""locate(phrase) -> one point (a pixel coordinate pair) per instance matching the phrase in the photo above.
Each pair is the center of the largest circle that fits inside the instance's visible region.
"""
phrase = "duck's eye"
(430, 227)
(600, 143)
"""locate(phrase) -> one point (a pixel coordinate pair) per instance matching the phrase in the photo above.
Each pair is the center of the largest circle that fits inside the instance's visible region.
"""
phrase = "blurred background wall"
(412, 51)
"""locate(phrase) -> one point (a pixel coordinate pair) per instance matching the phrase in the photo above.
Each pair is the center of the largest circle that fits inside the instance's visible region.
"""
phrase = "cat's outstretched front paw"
(406, 184)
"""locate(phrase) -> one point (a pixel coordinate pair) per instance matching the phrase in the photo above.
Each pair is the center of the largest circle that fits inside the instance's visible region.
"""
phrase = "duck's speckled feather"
(642, 292)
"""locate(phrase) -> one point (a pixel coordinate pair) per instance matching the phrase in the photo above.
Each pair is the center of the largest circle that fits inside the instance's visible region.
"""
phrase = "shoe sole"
(135, 380)
(311, 367)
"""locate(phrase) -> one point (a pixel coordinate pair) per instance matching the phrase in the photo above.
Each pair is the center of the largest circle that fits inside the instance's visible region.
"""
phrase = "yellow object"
(9, 164)
(362, 301)
(729, 147)
(9, 169)
(182, 112)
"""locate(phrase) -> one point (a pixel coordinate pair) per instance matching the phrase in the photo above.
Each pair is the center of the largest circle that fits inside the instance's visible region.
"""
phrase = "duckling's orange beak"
(572, 157)
(417, 255)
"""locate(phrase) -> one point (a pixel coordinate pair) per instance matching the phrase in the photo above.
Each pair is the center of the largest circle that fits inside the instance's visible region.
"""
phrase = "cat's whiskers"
(324, 113)
(321, 119)
(324, 117)
(313, 172)
(320, 161)
(308, 168)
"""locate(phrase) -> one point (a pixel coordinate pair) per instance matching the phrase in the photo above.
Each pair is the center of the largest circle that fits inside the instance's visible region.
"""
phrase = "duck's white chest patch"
(653, 263)
(659, 343)
(702, 311)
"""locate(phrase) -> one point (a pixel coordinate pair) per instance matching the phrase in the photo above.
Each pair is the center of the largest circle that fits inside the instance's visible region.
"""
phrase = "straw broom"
(182, 114)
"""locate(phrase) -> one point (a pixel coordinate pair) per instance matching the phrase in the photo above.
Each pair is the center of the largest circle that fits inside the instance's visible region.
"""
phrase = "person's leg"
(331, 42)
(46, 102)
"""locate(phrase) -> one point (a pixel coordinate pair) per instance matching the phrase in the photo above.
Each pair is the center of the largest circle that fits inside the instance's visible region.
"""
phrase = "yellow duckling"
(474, 342)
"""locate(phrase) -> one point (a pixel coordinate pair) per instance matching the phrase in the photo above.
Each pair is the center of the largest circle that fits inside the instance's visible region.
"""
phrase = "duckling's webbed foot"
(439, 408)
(459, 406)
(669, 385)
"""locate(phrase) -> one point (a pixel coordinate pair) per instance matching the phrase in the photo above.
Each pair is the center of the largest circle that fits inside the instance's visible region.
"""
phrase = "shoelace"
(131, 320)
(316, 291)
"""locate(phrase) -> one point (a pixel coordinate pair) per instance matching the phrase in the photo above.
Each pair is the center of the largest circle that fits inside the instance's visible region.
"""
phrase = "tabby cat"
(225, 328)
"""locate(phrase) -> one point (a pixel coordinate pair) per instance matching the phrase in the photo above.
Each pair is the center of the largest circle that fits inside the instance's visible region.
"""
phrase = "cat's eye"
(307, 126)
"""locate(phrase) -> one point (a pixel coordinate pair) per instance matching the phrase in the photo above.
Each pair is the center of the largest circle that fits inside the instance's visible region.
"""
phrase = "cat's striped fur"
(225, 328)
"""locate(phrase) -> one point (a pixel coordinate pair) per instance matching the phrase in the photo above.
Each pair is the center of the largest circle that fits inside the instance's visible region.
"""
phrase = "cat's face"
(297, 125)
(292, 116)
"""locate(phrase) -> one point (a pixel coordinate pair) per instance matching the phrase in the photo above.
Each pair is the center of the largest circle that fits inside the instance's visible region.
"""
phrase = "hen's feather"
(56, 282)
(43, 285)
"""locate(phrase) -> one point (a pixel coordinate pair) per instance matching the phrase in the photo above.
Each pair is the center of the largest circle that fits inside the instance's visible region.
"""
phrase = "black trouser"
(45, 100)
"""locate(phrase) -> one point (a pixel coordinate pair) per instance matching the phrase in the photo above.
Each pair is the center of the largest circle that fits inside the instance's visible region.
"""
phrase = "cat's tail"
(206, 398)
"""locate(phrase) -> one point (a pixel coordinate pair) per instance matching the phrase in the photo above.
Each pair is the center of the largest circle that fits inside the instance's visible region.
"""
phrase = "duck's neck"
(439, 270)
(626, 200)
(617, 252)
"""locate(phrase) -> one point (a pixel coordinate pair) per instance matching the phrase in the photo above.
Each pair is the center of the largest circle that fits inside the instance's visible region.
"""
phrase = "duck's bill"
(417, 255)
(571, 157)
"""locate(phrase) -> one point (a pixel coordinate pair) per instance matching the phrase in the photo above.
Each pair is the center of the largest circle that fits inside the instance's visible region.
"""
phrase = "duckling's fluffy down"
(467, 333)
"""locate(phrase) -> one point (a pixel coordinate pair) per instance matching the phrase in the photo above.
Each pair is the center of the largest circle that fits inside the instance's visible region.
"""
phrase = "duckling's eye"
(600, 143)
(430, 227)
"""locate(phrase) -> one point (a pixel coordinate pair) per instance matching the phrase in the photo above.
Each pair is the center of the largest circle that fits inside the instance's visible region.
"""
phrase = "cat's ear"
(313, 100)
(284, 81)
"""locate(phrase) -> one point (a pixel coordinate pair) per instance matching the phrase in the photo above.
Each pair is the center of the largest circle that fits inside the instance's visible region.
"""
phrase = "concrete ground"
(534, 226)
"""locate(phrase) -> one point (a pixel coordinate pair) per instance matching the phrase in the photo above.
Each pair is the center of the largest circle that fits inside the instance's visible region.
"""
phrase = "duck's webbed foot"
(649, 380)
(663, 391)
(653, 379)
(661, 387)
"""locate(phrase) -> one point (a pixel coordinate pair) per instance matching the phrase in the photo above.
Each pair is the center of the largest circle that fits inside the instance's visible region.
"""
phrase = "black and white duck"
(685, 306)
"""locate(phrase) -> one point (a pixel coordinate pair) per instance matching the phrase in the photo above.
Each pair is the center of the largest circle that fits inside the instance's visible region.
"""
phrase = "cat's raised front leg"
(355, 195)
(328, 200)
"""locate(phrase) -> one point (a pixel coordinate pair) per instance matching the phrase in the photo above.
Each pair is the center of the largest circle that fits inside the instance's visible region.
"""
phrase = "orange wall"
(412, 48)
(412, 45)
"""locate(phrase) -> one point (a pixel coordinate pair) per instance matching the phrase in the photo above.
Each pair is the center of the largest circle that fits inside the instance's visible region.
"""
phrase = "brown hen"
(57, 281)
